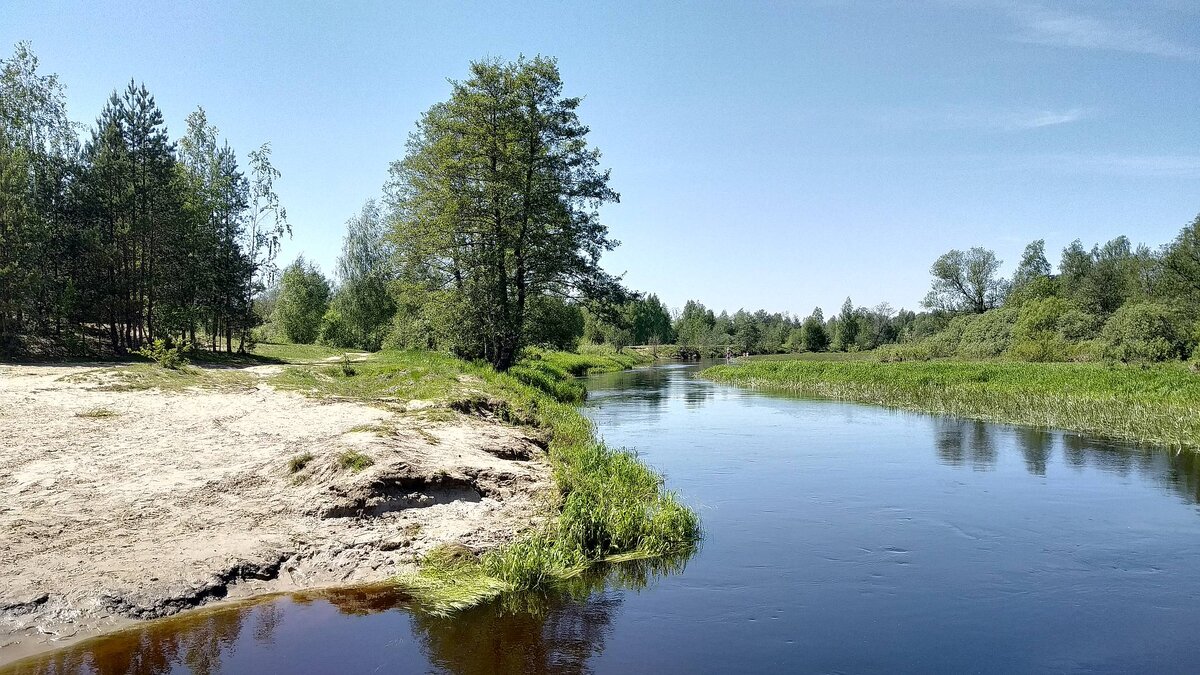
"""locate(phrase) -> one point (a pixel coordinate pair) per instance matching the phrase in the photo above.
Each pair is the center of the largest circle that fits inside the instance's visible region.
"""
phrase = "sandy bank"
(117, 506)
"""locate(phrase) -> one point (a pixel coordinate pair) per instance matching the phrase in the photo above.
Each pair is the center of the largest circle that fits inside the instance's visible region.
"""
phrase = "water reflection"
(554, 632)
(976, 445)
(195, 642)
(547, 632)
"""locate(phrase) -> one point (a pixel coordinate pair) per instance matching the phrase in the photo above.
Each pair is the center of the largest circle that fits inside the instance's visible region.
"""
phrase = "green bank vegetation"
(1157, 405)
(610, 505)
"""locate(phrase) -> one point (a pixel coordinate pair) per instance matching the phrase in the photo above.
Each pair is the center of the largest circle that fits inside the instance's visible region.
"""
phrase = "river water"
(838, 538)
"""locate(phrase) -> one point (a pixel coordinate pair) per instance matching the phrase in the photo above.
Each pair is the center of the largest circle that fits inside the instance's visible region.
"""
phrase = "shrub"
(165, 355)
(336, 331)
(1035, 333)
(1143, 331)
(1077, 325)
(908, 351)
(987, 335)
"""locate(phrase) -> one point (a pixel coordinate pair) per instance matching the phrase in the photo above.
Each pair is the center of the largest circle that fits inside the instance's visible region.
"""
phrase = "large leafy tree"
(365, 271)
(38, 148)
(303, 299)
(496, 202)
(966, 281)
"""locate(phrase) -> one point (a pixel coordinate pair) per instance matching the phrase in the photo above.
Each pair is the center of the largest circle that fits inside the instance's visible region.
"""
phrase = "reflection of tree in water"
(1036, 444)
(964, 443)
(194, 641)
(552, 632)
(969, 442)
(647, 389)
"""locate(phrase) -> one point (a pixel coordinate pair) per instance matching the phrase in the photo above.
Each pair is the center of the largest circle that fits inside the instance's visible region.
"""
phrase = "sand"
(119, 506)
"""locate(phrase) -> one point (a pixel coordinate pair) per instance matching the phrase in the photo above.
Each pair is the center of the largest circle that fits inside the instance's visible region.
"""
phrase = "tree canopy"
(496, 203)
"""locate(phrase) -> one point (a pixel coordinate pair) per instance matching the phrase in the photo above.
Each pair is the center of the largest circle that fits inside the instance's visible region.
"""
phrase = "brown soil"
(118, 506)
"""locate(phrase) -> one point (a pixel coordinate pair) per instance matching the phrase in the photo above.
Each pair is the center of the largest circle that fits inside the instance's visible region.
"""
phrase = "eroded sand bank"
(117, 506)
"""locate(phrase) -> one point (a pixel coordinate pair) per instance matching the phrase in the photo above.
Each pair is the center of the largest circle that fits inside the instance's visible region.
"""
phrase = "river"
(838, 538)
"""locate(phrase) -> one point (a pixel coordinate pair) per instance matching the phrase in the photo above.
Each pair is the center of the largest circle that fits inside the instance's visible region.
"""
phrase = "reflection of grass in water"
(449, 582)
(1153, 406)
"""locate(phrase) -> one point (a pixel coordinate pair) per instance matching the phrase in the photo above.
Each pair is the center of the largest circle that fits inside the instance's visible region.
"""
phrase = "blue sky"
(768, 154)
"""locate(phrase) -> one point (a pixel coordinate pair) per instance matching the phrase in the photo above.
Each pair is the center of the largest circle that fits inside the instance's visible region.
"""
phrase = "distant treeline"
(128, 236)
(1115, 301)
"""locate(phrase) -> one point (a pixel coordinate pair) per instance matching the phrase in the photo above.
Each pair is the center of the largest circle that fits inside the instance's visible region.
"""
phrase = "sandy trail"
(174, 500)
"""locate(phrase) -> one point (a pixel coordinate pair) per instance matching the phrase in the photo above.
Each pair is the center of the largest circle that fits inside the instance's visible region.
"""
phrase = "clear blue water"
(838, 538)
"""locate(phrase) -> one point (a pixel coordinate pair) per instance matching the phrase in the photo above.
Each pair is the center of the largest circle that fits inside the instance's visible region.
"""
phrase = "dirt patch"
(172, 500)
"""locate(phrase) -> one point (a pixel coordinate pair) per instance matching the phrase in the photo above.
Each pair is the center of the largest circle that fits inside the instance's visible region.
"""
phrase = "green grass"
(297, 463)
(290, 353)
(590, 360)
(142, 376)
(609, 502)
(1157, 406)
(810, 356)
(354, 461)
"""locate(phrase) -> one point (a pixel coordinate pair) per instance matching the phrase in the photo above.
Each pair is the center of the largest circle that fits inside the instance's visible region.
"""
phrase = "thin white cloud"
(984, 119)
(1014, 120)
(1055, 28)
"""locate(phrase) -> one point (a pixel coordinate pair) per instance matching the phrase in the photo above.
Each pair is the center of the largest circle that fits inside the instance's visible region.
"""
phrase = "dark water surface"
(838, 538)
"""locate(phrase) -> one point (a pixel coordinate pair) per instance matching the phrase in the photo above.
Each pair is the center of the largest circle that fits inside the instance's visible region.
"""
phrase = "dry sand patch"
(125, 505)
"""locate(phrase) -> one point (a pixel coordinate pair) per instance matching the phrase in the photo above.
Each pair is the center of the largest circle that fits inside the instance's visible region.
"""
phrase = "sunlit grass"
(610, 503)
(290, 353)
(1152, 406)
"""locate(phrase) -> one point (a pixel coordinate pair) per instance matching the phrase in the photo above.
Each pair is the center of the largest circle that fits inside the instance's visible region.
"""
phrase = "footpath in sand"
(117, 506)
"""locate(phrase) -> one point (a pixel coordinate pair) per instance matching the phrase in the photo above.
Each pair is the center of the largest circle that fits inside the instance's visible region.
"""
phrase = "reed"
(1158, 405)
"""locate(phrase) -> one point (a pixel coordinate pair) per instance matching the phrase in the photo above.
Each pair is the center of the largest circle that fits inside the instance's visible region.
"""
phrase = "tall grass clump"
(1149, 405)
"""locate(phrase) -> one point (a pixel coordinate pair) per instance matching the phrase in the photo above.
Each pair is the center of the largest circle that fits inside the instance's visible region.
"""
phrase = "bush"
(336, 331)
(165, 355)
(1077, 325)
(1143, 331)
(909, 351)
(987, 335)
(1035, 334)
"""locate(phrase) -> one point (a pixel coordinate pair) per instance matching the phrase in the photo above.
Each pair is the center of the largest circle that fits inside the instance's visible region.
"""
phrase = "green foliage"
(336, 331)
(1156, 405)
(908, 351)
(167, 356)
(986, 335)
(297, 463)
(617, 503)
(554, 323)
(966, 281)
(355, 461)
(1144, 331)
(363, 305)
(302, 303)
(495, 203)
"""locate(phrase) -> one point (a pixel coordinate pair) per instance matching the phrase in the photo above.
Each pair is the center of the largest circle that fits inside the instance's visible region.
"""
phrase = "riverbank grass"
(1150, 406)
(608, 502)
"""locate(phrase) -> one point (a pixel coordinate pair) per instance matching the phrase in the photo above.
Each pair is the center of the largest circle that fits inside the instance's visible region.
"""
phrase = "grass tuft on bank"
(609, 502)
(1157, 405)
